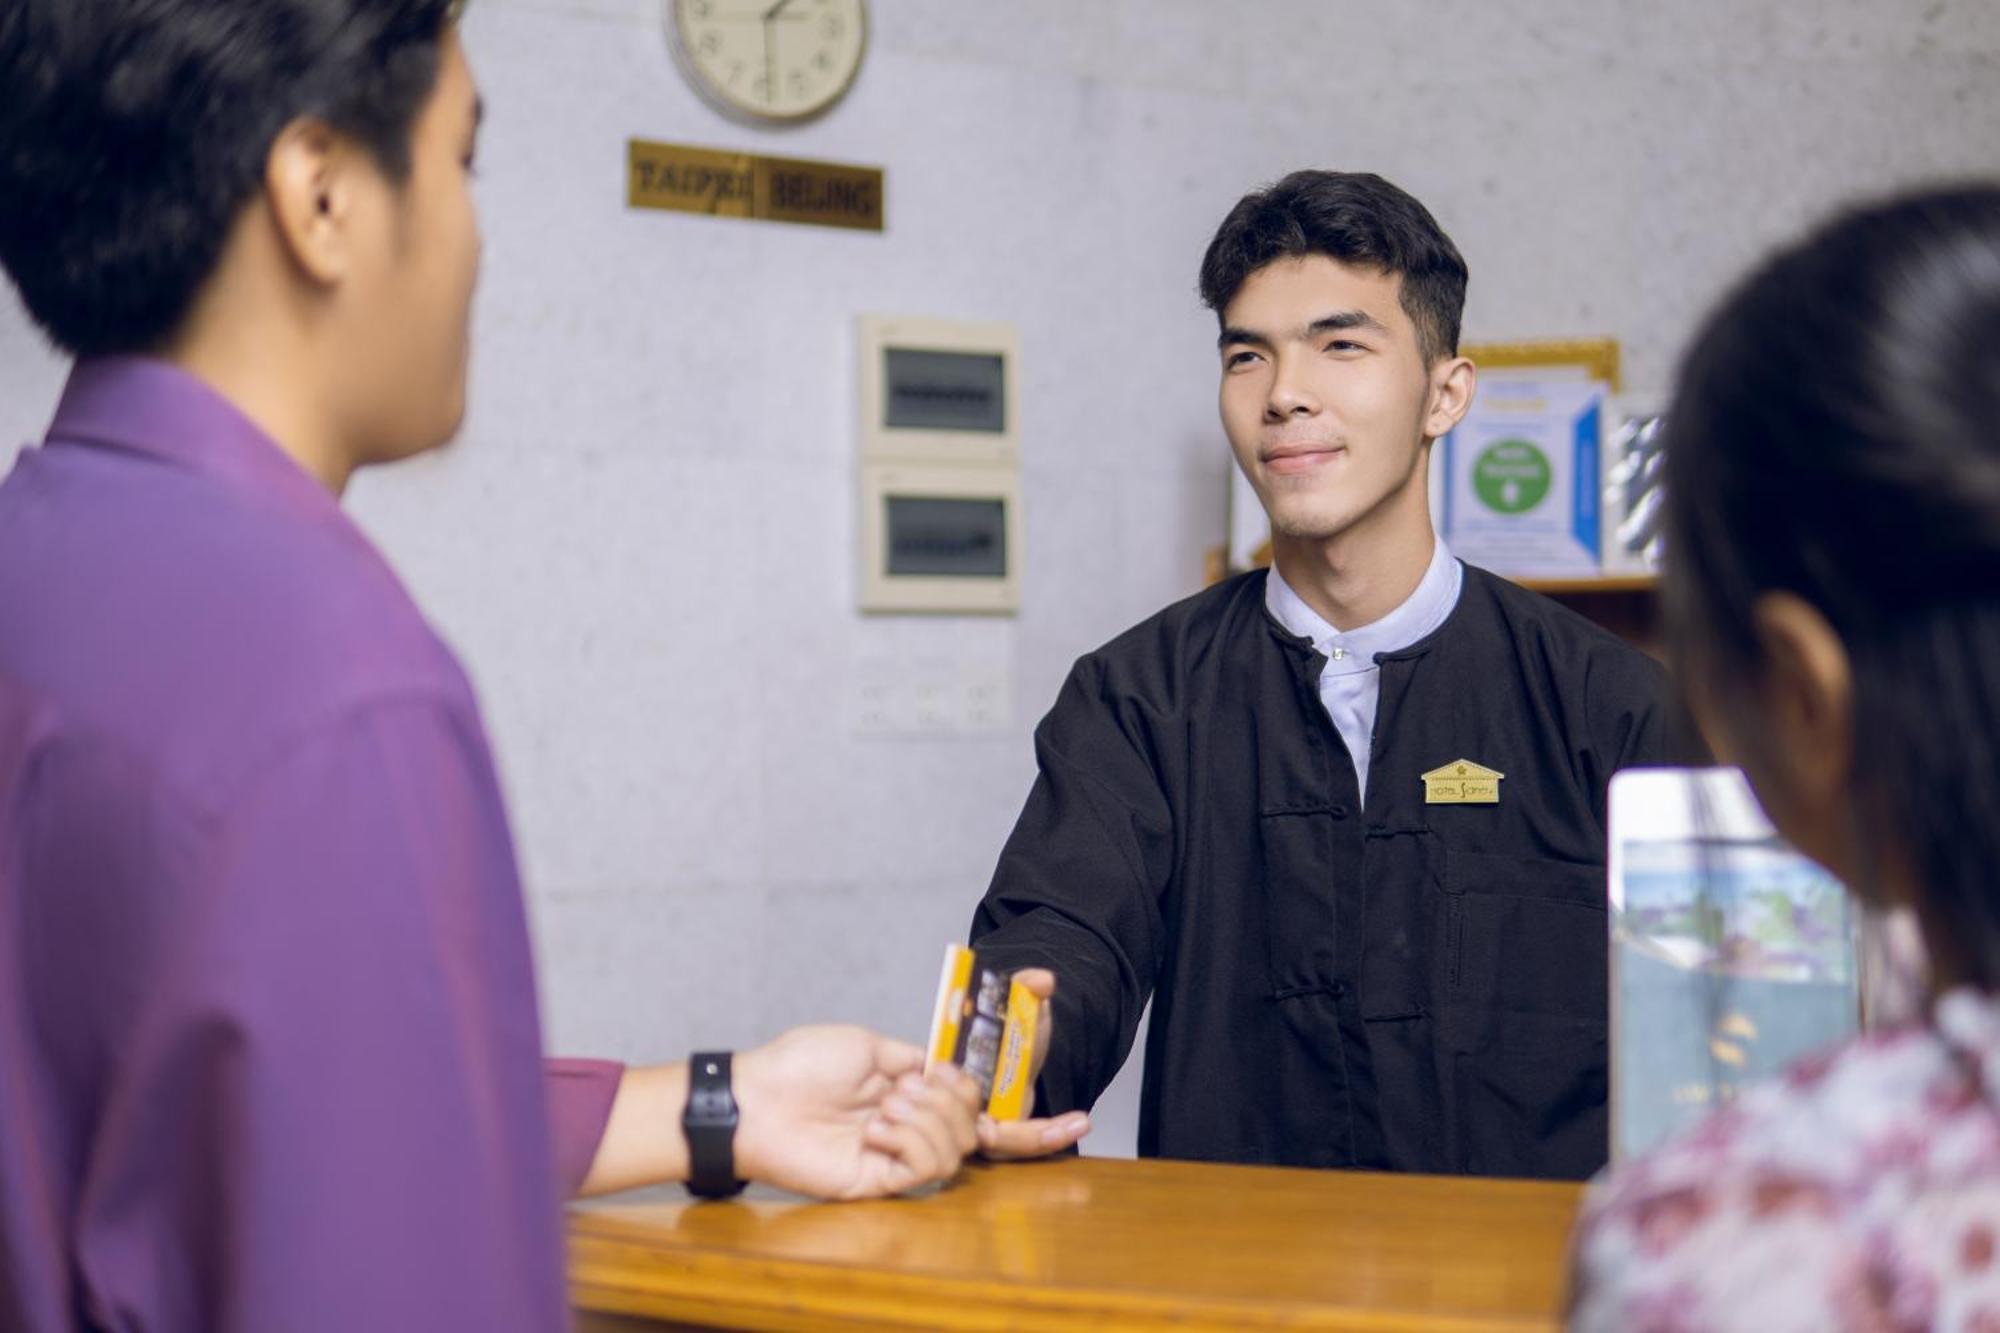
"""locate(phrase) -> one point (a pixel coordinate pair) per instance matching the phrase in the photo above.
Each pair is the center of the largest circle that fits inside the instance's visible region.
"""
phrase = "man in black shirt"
(1342, 821)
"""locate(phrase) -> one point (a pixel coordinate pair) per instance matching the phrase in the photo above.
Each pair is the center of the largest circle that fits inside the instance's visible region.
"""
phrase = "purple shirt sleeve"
(331, 1115)
(580, 1096)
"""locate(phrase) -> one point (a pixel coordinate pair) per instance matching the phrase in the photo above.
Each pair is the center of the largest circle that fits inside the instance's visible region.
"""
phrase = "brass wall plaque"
(746, 185)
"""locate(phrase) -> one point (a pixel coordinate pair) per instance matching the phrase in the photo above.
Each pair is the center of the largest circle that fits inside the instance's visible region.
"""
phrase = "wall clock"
(769, 62)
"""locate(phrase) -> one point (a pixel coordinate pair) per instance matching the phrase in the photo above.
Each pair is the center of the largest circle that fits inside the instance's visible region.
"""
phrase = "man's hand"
(840, 1113)
(1005, 1140)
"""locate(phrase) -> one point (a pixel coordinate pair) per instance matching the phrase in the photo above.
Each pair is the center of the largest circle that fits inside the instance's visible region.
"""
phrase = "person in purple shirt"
(269, 1051)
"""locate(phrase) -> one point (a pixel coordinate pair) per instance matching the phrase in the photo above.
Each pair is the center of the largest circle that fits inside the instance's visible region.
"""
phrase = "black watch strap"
(709, 1122)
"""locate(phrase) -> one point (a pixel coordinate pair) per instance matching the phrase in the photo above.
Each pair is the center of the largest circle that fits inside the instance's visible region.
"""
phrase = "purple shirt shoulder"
(269, 1054)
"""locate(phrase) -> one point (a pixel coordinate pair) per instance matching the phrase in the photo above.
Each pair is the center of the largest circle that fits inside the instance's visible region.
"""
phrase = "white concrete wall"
(643, 542)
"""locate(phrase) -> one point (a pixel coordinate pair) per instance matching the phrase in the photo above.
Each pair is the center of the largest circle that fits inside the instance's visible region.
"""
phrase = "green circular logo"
(1511, 477)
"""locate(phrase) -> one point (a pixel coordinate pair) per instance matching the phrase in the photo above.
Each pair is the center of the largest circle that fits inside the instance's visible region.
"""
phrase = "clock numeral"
(808, 60)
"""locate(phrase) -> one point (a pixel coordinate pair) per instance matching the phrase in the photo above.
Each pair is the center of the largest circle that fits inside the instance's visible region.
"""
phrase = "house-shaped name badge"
(1462, 782)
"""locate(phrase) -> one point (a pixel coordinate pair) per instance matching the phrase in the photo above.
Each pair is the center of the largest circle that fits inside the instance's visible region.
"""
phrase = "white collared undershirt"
(1350, 682)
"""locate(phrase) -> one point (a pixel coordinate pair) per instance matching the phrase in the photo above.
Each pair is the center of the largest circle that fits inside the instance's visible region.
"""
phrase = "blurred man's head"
(1339, 299)
(238, 180)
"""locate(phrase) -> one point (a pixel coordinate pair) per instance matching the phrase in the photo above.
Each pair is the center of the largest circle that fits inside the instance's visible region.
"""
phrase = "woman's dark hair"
(1835, 434)
(133, 131)
(1353, 217)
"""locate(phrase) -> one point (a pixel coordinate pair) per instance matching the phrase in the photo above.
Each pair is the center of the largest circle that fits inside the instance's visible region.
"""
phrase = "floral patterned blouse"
(1859, 1192)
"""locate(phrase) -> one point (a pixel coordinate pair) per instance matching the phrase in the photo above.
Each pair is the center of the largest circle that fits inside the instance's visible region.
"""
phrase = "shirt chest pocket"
(1524, 1020)
(1525, 935)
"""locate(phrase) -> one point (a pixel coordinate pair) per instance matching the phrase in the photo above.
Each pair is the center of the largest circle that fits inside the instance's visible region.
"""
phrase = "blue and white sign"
(1521, 493)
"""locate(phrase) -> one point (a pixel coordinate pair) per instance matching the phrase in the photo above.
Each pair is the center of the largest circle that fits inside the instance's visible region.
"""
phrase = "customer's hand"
(841, 1113)
(1004, 1140)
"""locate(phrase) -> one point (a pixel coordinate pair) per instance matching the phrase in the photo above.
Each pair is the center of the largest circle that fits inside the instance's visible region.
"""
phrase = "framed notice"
(940, 538)
(1518, 487)
(939, 391)
(940, 465)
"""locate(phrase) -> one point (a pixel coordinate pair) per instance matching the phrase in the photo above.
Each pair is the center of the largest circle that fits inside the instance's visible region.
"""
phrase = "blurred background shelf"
(1625, 604)
(1595, 585)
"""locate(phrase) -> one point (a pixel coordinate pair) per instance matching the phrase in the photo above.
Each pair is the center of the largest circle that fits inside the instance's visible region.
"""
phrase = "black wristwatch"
(710, 1125)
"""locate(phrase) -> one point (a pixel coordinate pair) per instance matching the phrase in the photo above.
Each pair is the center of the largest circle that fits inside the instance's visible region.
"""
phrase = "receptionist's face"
(1326, 397)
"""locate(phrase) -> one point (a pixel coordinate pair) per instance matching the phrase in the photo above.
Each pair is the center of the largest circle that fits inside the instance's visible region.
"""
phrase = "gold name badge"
(1462, 782)
(745, 185)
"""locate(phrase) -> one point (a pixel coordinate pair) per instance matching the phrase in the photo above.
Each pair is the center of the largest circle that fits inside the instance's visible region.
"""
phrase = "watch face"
(769, 61)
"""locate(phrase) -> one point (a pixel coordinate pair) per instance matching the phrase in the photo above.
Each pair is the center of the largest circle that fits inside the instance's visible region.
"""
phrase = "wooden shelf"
(1625, 604)
(1216, 569)
(1629, 584)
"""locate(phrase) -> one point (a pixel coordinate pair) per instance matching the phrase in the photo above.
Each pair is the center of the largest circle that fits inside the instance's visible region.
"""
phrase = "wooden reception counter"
(1089, 1243)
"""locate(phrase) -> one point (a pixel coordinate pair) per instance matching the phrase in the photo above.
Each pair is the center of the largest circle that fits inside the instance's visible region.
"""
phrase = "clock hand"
(771, 17)
(770, 60)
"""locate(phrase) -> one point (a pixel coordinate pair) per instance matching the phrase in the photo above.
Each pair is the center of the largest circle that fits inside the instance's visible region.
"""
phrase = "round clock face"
(769, 60)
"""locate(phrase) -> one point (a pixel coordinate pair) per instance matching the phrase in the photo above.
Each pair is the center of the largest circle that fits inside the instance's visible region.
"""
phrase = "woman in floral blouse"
(1833, 600)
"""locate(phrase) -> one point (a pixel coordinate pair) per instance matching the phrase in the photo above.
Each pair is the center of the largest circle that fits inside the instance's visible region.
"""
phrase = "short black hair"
(1354, 217)
(132, 132)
